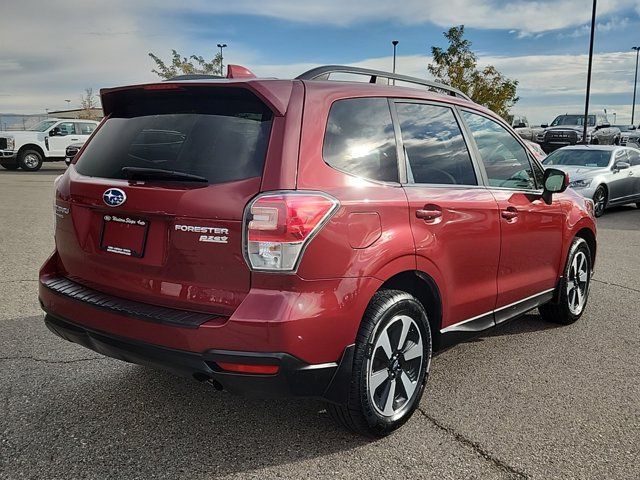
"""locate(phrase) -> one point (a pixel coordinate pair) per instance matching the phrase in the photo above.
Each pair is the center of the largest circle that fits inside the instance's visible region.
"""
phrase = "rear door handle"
(429, 213)
(509, 214)
(75, 139)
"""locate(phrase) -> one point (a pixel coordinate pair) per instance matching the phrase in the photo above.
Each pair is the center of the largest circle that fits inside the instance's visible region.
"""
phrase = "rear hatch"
(156, 198)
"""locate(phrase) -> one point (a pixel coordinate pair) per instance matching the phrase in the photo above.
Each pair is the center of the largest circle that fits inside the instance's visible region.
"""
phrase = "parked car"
(522, 127)
(630, 135)
(71, 151)
(536, 150)
(321, 255)
(45, 142)
(609, 175)
(568, 130)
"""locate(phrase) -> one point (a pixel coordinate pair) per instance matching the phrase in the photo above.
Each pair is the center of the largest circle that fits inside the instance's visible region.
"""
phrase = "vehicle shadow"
(154, 422)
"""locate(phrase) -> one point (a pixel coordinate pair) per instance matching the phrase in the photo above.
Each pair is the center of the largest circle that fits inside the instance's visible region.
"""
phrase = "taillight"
(278, 227)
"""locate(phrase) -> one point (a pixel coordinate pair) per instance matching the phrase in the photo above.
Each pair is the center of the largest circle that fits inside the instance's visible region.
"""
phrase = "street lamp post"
(586, 103)
(221, 46)
(635, 84)
(395, 44)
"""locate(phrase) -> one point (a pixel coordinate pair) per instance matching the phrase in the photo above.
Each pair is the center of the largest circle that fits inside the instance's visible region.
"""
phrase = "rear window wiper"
(141, 173)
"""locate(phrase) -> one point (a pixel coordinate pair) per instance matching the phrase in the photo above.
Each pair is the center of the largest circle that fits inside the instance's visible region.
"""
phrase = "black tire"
(9, 165)
(360, 415)
(564, 312)
(600, 198)
(30, 160)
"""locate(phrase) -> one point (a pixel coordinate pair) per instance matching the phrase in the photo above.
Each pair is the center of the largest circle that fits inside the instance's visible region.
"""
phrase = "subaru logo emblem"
(114, 197)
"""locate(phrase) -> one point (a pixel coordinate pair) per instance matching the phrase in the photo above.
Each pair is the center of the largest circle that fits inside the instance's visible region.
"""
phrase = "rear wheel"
(30, 160)
(9, 165)
(599, 201)
(573, 290)
(390, 366)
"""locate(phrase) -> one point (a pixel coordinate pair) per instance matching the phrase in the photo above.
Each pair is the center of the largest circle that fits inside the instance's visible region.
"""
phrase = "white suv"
(45, 142)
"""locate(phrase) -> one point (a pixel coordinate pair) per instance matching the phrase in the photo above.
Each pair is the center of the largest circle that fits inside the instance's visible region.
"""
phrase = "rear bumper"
(295, 378)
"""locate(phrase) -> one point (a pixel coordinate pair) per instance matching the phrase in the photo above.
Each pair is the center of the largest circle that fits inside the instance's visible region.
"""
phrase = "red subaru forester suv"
(308, 237)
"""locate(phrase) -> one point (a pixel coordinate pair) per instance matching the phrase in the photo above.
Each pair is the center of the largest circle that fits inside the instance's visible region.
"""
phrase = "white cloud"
(532, 16)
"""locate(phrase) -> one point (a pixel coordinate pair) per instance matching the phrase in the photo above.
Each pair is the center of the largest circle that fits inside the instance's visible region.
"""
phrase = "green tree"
(458, 66)
(180, 65)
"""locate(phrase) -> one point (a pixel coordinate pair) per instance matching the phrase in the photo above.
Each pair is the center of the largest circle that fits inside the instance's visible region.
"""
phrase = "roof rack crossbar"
(323, 72)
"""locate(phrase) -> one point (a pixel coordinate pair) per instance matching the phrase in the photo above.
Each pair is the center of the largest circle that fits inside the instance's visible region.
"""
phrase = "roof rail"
(322, 73)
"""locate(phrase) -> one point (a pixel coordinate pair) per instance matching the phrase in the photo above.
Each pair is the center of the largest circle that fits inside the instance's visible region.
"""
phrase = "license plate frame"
(136, 227)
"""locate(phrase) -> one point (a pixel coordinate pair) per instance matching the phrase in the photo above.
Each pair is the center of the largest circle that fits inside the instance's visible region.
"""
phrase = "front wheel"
(390, 366)
(599, 201)
(30, 160)
(573, 289)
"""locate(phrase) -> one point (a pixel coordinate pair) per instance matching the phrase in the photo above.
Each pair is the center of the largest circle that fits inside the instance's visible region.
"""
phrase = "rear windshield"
(217, 133)
(579, 158)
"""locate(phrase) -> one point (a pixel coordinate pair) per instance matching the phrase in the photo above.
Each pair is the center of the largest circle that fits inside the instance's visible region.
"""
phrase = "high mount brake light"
(278, 227)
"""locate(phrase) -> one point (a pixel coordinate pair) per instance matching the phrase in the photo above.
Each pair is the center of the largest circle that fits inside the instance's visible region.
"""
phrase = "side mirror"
(555, 181)
(544, 125)
(54, 132)
(621, 166)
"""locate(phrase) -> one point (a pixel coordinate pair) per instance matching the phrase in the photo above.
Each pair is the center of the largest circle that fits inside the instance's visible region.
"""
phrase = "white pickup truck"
(45, 142)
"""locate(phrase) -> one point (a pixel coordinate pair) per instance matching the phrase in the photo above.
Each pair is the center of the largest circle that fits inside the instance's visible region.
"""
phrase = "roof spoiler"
(238, 71)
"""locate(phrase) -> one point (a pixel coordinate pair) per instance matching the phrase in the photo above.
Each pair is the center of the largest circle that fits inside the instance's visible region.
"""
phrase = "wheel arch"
(424, 288)
(32, 146)
(590, 237)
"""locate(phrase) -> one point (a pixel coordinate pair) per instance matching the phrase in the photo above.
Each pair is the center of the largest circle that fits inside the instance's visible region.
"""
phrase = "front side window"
(634, 157)
(360, 139)
(42, 126)
(505, 159)
(434, 147)
(66, 128)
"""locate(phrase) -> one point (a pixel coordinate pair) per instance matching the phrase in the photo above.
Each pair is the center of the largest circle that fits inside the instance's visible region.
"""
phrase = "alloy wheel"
(578, 283)
(598, 201)
(395, 365)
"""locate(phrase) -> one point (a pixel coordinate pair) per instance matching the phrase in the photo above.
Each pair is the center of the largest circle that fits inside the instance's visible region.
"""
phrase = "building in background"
(89, 114)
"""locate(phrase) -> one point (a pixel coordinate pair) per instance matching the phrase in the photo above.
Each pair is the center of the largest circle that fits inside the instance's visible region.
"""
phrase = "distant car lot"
(562, 401)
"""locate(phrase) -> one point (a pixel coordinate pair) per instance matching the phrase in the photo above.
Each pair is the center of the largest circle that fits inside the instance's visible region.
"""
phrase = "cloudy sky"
(51, 51)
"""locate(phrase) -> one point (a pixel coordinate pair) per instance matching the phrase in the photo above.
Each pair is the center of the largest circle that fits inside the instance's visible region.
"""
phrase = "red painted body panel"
(531, 246)
(477, 260)
(463, 245)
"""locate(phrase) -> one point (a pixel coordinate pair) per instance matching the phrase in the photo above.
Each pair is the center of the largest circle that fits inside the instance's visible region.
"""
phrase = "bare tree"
(88, 105)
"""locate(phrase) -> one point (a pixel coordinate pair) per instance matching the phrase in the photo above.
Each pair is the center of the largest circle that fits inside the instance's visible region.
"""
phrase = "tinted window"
(85, 128)
(573, 120)
(504, 158)
(220, 134)
(66, 128)
(579, 158)
(434, 146)
(634, 157)
(360, 139)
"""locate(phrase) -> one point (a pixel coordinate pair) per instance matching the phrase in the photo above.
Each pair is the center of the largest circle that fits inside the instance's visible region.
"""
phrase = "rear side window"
(360, 139)
(85, 128)
(434, 147)
(217, 133)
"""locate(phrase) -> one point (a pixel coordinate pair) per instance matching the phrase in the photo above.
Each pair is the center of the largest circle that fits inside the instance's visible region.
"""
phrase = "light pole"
(635, 84)
(586, 103)
(221, 46)
(395, 44)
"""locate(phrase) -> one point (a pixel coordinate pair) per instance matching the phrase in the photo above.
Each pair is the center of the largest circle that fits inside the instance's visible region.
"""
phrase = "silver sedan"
(608, 174)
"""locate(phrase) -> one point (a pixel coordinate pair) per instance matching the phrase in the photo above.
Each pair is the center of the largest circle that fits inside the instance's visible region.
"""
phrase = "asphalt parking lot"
(528, 400)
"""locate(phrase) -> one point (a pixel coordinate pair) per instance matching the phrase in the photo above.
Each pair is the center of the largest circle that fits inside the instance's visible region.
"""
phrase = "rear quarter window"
(360, 139)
